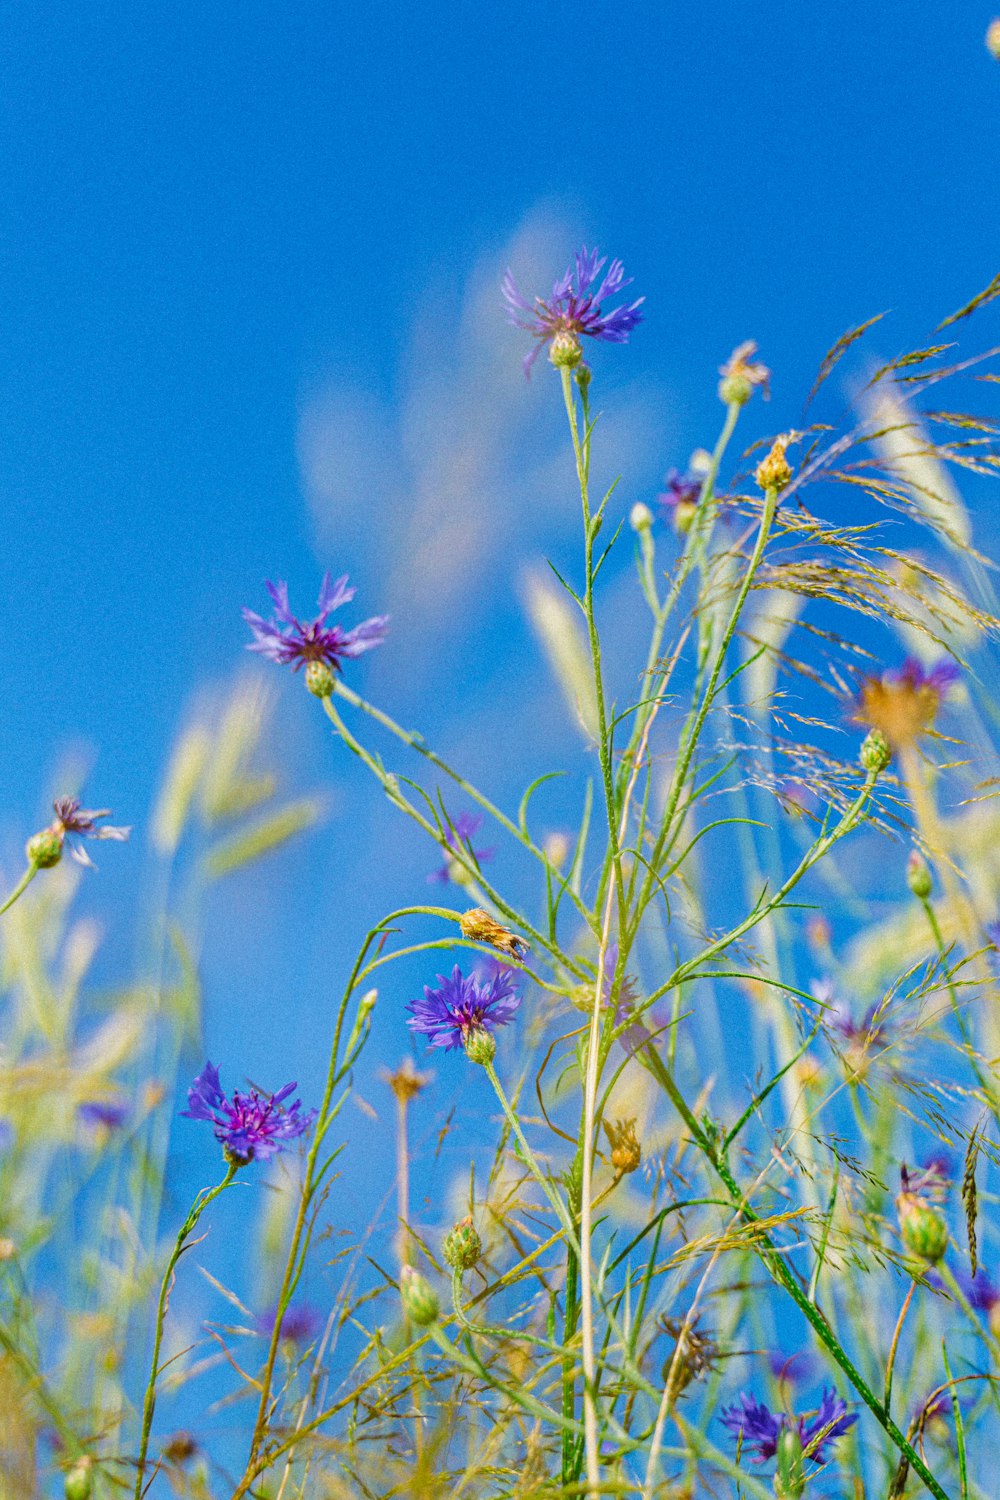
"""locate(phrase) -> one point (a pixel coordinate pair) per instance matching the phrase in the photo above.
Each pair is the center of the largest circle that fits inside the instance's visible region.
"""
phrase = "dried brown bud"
(626, 1152)
(740, 375)
(775, 472)
(406, 1083)
(479, 927)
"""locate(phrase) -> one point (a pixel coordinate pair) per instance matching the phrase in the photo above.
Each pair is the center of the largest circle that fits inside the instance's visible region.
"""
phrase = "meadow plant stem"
(891, 1361)
(199, 1206)
(968, 1046)
(21, 887)
(558, 1206)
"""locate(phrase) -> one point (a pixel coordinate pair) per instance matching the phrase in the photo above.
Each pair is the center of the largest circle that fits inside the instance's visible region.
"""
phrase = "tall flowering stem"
(207, 1196)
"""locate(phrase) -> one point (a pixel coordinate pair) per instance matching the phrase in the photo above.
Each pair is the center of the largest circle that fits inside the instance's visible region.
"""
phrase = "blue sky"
(251, 328)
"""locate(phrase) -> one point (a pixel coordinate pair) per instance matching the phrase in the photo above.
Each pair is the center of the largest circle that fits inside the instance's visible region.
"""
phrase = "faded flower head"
(575, 308)
(479, 927)
(292, 642)
(464, 1007)
(775, 472)
(760, 1428)
(741, 375)
(903, 704)
(71, 824)
(458, 836)
(406, 1083)
(251, 1126)
(694, 1354)
(626, 1151)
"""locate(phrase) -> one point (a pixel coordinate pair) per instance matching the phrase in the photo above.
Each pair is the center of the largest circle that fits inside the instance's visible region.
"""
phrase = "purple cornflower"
(458, 835)
(868, 1032)
(300, 1324)
(680, 490)
(249, 1126)
(103, 1113)
(760, 1428)
(903, 703)
(463, 1005)
(575, 307)
(290, 642)
(978, 1290)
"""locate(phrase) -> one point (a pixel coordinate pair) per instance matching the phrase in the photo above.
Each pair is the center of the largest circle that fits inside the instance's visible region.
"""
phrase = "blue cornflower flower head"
(464, 1008)
(678, 500)
(458, 836)
(314, 644)
(903, 703)
(103, 1114)
(71, 824)
(575, 308)
(300, 1325)
(249, 1126)
(979, 1290)
(760, 1428)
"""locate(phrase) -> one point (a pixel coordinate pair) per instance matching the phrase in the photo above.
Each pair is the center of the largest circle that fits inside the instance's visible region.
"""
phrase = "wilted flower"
(406, 1083)
(463, 1007)
(903, 704)
(250, 1126)
(290, 642)
(741, 375)
(626, 1152)
(775, 472)
(479, 927)
(698, 1352)
(574, 309)
(458, 836)
(761, 1428)
(70, 824)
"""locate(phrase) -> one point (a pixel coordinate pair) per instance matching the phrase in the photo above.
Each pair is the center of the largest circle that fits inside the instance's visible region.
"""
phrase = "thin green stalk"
(21, 887)
(989, 1092)
(199, 1206)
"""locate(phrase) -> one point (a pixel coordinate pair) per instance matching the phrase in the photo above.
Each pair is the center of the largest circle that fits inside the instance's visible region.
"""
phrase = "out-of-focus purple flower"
(104, 1114)
(458, 836)
(575, 307)
(761, 1428)
(868, 1032)
(463, 1004)
(636, 1033)
(790, 1368)
(903, 703)
(300, 1324)
(979, 1291)
(292, 642)
(679, 489)
(250, 1126)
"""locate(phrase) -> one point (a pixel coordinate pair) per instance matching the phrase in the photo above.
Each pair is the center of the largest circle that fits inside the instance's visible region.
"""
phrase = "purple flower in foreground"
(300, 1324)
(463, 1005)
(761, 1428)
(291, 642)
(249, 1126)
(458, 836)
(103, 1114)
(575, 307)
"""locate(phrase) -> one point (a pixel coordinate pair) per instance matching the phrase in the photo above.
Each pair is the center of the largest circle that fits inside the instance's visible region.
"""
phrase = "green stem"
(199, 1206)
(21, 887)
(988, 1089)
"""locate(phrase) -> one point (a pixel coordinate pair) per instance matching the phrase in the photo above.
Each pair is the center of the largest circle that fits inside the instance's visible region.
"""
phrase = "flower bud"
(43, 850)
(918, 875)
(735, 389)
(479, 927)
(626, 1152)
(480, 1045)
(419, 1299)
(583, 375)
(993, 38)
(79, 1483)
(684, 514)
(565, 351)
(790, 1480)
(461, 1246)
(640, 517)
(320, 679)
(775, 472)
(922, 1227)
(875, 752)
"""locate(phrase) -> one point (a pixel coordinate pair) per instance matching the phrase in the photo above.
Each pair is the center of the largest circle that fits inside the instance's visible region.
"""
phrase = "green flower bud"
(79, 1482)
(735, 390)
(922, 1227)
(419, 1299)
(565, 351)
(43, 850)
(320, 679)
(583, 375)
(918, 875)
(461, 1246)
(480, 1046)
(790, 1480)
(875, 752)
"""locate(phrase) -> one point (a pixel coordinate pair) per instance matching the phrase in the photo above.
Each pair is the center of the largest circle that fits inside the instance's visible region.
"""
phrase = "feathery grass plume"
(561, 636)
